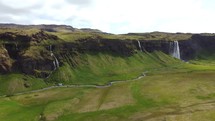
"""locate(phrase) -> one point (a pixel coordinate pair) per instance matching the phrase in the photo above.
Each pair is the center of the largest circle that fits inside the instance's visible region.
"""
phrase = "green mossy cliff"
(31, 53)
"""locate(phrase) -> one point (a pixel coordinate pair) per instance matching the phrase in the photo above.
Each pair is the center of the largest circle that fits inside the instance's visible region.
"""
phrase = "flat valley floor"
(182, 93)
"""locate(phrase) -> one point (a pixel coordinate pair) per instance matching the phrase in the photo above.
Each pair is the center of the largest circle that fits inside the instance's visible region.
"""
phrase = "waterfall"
(55, 62)
(50, 48)
(175, 50)
(139, 45)
(16, 46)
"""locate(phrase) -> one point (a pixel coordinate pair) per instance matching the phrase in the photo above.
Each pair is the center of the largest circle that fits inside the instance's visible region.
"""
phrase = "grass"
(169, 91)
(37, 52)
(90, 68)
(14, 111)
(71, 36)
(100, 68)
(20, 31)
(155, 93)
(172, 90)
(13, 83)
(149, 36)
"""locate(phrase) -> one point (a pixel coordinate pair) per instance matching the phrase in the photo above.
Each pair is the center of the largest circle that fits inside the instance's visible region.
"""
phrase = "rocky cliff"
(5, 60)
(37, 54)
(23, 53)
(197, 46)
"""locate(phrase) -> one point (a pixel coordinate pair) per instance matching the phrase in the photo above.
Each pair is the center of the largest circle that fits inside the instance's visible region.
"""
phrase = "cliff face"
(117, 46)
(5, 61)
(156, 45)
(120, 47)
(198, 45)
(192, 48)
(25, 54)
(22, 53)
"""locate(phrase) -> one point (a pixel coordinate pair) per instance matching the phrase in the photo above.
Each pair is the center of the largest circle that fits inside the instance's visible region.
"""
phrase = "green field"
(172, 90)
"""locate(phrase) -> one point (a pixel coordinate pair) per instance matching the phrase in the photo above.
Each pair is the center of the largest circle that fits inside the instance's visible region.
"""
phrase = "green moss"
(100, 68)
(36, 52)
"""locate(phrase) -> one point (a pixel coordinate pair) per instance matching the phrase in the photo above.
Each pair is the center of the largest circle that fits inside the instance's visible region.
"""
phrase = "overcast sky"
(114, 16)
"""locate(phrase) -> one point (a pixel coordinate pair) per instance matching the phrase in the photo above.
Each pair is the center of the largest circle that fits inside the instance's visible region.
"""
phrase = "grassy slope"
(101, 68)
(13, 83)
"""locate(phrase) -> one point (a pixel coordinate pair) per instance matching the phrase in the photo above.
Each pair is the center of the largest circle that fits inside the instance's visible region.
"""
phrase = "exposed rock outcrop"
(43, 36)
(5, 61)
(196, 46)
(36, 67)
(17, 54)
(120, 47)
(14, 37)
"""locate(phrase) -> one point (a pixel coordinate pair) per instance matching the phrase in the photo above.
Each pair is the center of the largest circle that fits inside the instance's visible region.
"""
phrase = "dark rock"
(12, 37)
(5, 60)
(29, 65)
(120, 47)
(156, 45)
(43, 36)
(196, 46)
(27, 84)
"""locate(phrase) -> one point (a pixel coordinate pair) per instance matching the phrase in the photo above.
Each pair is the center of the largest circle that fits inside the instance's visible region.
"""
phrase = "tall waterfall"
(55, 62)
(139, 45)
(175, 50)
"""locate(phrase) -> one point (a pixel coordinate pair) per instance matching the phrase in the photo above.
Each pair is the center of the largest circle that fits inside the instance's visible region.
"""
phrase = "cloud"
(5, 9)
(115, 16)
(9, 14)
(5, 18)
(17, 4)
(80, 2)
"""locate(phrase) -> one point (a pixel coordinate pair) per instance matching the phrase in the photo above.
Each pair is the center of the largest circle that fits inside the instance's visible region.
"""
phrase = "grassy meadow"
(172, 90)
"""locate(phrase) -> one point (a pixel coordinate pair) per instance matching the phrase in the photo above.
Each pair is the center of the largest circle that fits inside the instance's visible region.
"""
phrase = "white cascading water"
(139, 45)
(55, 62)
(175, 49)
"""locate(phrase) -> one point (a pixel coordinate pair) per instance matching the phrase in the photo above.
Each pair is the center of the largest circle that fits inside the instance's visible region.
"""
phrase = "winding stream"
(81, 86)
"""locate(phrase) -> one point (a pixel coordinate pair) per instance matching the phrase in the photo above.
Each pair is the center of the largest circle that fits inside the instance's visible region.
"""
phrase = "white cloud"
(21, 3)
(119, 16)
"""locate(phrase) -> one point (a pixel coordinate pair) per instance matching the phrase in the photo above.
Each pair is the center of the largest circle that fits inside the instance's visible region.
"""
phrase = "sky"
(115, 16)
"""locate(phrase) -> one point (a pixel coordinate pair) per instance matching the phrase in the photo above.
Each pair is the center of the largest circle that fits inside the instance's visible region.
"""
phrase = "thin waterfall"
(175, 50)
(55, 62)
(50, 48)
(54, 65)
(139, 45)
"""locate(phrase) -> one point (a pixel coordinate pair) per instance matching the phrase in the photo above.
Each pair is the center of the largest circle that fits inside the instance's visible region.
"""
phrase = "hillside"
(58, 72)
(60, 53)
